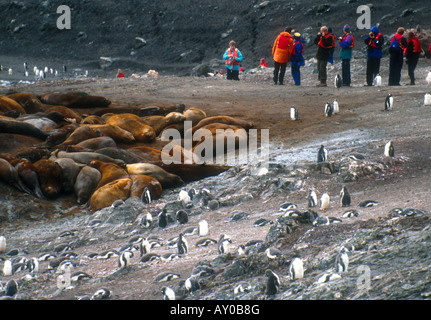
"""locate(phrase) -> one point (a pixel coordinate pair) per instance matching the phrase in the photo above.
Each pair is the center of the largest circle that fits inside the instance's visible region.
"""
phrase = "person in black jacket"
(324, 43)
(396, 57)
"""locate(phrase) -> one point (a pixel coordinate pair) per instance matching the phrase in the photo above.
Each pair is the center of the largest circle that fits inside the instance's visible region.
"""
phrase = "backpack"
(395, 45)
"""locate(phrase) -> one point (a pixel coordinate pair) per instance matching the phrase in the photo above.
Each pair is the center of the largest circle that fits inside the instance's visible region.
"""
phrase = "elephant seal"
(69, 171)
(141, 181)
(194, 115)
(165, 178)
(28, 101)
(119, 153)
(23, 128)
(109, 193)
(65, 111)
(146, 154)
(86, 157)
(158, 123)
(8, 104)
(75, 100)
(135, 125)
(26, 172)
(49, 173)
(80, 134)
(225, 120)
(109, 171)
(9, 174)
(97, 143)
(119, 135)
(86, 183)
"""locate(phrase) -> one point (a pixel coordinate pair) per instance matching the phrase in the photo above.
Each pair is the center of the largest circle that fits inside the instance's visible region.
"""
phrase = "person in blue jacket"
(374, 42)
(297, 59)
(346, 42)
(233, 58)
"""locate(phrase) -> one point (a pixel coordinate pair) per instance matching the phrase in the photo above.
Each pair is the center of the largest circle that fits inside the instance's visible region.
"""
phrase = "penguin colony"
(42, 73)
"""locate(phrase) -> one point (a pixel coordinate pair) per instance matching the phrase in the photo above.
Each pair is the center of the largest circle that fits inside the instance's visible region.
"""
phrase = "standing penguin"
(377, 82)
(124, 259)
(335, 106)
(168, 293)
(182, 216)
(345, 197)
(293, 113)
(389, 149)
(338, 81)
(223, 243)
(342, 261)
(202, 228)
(324, 201)
(389, 102)
(163, 219)
(428, 78)
(312, 199)
(296, 269)
(273, 282)
(328, 109)
(146, 196)
(182, 244)
(147, 220)
(2, 243)
(11, 288)
(427, 99)
(322, 155)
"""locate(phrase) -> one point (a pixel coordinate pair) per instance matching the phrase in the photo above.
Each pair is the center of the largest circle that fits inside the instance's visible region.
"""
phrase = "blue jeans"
(296, 74)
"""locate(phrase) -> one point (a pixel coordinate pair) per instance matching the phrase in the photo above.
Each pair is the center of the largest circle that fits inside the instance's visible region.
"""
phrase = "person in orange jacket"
(281, 53)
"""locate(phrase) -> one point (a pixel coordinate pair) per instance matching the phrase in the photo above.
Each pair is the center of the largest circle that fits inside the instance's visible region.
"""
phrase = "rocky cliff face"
(174, 36)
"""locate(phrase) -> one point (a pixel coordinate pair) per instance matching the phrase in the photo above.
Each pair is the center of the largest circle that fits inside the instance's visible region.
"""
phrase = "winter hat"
(374, 29)
(346, 27)
(297, 35)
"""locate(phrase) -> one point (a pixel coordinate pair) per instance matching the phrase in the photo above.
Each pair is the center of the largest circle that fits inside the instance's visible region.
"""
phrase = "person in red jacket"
(412, 53)
(396, 59)
(282, 52)
(120, 74)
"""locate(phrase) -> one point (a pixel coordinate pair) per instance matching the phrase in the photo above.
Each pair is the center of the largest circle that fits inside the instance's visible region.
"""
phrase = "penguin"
(273, 253)
(356, 157)
(166, 276)
(418, 28)
(202, 228)
(335, 106)
(184, 196)
(328, 277)
(147, 220)
(80, 276)
(10, 71)
(324, 201)
(64, 68)
(427, 99)
(7, 268)
(182, 216)
(33, 265)
(205, 242)
(47, 257)
(101, 294)
(321, 221)
(182, 244)
(146, 196)
(169, 257)
(163, 219)
(124, 259)
(223, 244)
(389, 102)
(312, 198)
(25, 66)
(377, 82)
(296, 269)
(329, 109)
(168, 293)
(241, 288)
(2, 243)
(262, 222)
(322, 154)
(345, 197)
(190, 231)
(191, 284)
(342, 261)
(428, 78)
(107, 254)
(62, 248)
(287, 206)
(293, 113)
(389, 149)
(368, 203)
(144, 247)
(11, 288)
(350, 214)
(338, 81)
(149, 257)
(272, 283)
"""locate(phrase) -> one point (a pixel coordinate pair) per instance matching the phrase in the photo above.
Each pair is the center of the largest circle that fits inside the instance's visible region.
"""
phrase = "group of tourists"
(289, 47)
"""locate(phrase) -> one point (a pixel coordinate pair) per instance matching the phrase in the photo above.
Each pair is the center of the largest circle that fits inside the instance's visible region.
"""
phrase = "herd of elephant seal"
(106, 154)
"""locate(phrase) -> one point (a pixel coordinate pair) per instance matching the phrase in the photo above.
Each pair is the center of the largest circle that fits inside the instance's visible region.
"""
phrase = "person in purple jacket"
(346, 42)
